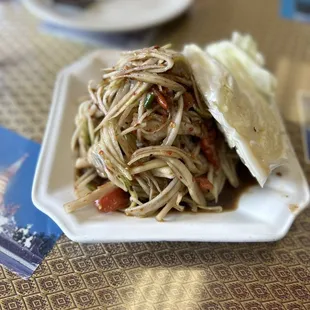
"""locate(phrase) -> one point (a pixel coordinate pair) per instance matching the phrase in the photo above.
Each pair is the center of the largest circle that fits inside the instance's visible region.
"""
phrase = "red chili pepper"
(204, 183)
(211, 131)
(207, 144)
(210, 152)
(188, 101)
(160, 99)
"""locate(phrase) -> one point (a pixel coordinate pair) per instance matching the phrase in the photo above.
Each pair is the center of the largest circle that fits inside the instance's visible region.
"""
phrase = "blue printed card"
(26, 234)
(296, 9)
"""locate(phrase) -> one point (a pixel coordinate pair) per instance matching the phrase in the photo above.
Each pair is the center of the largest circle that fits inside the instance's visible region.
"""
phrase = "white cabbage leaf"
(239, 94)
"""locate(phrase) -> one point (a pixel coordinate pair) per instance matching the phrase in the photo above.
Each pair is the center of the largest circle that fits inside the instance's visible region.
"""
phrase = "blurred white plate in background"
(109, 15)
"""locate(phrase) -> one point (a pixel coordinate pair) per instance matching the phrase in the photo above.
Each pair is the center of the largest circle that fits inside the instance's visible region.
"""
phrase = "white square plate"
(262, 214)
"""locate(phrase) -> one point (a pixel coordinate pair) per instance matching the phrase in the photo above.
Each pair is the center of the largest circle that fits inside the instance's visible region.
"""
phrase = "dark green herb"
(149, 100)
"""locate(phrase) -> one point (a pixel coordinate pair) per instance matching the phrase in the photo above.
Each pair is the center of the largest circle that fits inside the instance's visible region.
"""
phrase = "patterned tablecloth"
(160, 275)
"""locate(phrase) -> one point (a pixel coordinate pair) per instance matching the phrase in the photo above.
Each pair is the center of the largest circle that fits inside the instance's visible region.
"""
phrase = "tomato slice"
(115, 200)
(204, 183)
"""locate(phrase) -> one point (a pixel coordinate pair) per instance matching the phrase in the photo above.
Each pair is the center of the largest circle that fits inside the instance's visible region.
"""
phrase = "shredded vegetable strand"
(164, 211)
(141, 131)
(175, 124)
(158, 202)
(186, 177)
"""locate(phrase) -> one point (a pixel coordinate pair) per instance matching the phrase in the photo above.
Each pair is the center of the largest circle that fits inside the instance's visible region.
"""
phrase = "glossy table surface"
(159, 275)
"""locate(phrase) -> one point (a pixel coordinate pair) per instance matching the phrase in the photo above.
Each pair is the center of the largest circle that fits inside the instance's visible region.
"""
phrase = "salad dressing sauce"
(230, 196)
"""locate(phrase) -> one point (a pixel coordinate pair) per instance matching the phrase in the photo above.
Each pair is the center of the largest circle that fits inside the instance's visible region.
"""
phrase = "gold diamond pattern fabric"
(159, 275)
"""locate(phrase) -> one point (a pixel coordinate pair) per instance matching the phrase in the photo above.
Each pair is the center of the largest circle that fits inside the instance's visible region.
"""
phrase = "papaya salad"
(145, 142)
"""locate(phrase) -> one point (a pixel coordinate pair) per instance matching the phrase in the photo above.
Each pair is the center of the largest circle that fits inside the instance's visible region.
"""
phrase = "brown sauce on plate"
(230, 196)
